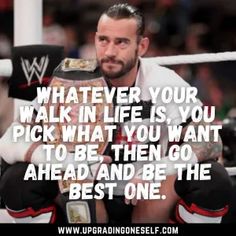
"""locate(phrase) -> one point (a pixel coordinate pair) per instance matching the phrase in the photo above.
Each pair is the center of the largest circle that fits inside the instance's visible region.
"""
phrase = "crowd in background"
(174, 27)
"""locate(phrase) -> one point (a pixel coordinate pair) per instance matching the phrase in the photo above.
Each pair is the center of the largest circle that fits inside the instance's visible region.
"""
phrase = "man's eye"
(102, 40)
(122, 43)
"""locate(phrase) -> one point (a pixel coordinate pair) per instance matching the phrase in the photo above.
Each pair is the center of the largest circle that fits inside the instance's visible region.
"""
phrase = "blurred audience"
(174, 27)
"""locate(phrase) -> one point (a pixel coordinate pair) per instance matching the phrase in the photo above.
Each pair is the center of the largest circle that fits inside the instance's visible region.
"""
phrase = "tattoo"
(202, 149)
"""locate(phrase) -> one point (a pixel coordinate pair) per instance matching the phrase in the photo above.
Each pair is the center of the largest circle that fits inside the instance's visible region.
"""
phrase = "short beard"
(125, 67)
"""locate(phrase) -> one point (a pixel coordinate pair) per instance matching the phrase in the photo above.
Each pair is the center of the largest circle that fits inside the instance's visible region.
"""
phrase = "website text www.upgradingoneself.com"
(154, 230)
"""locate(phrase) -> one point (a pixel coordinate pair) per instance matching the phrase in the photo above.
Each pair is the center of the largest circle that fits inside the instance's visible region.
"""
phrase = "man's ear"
(143, 46)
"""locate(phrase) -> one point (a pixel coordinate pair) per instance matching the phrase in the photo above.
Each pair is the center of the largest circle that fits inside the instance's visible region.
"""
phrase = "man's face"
(116, 46)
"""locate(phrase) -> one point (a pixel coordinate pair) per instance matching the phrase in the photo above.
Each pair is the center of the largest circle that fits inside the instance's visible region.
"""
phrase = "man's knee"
(204, 200)
(29, 198)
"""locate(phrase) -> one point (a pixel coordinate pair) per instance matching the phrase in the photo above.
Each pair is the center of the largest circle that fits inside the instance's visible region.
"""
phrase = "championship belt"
(78, 73)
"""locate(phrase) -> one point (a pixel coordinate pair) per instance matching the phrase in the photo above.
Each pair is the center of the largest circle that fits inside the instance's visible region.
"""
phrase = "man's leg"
(117, 210)
(203, 201)
(157, 211)
(230, 217)
(28, 201)
(191, 201)
(101, 213)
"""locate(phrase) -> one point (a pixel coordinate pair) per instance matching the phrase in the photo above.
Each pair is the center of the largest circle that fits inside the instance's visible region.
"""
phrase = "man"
(120, 44)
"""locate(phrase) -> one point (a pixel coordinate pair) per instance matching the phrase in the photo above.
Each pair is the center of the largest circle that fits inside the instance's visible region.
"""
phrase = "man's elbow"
(216, 149)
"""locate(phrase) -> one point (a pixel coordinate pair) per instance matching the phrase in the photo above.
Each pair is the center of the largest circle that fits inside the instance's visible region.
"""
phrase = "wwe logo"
(35, 68)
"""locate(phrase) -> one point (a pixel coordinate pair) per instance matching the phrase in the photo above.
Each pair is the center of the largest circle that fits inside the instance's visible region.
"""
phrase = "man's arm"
(204, 150)
(33, 152)
(13, 152)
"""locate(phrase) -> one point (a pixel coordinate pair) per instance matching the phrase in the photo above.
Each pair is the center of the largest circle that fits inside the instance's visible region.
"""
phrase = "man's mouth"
(111, 62)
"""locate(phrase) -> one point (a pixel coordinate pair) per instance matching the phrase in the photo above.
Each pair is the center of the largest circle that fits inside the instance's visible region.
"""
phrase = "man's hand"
(169, 170)
(136, 180)
(10, 151)
(94, 166)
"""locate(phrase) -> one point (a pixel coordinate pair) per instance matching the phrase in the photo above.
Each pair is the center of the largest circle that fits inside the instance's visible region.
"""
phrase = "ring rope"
(6, 64)
(195, 58)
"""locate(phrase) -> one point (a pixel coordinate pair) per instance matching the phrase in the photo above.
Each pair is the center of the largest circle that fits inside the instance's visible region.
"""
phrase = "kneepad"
(28, 201)
(203, 201)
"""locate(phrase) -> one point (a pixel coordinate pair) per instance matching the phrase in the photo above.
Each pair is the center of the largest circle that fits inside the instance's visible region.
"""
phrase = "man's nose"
(111, 50)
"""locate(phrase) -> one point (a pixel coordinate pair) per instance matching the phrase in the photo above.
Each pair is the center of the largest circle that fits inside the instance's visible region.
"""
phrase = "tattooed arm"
(204, 150)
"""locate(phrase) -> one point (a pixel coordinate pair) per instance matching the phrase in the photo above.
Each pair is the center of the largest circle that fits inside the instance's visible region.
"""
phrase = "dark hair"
(124, 10)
